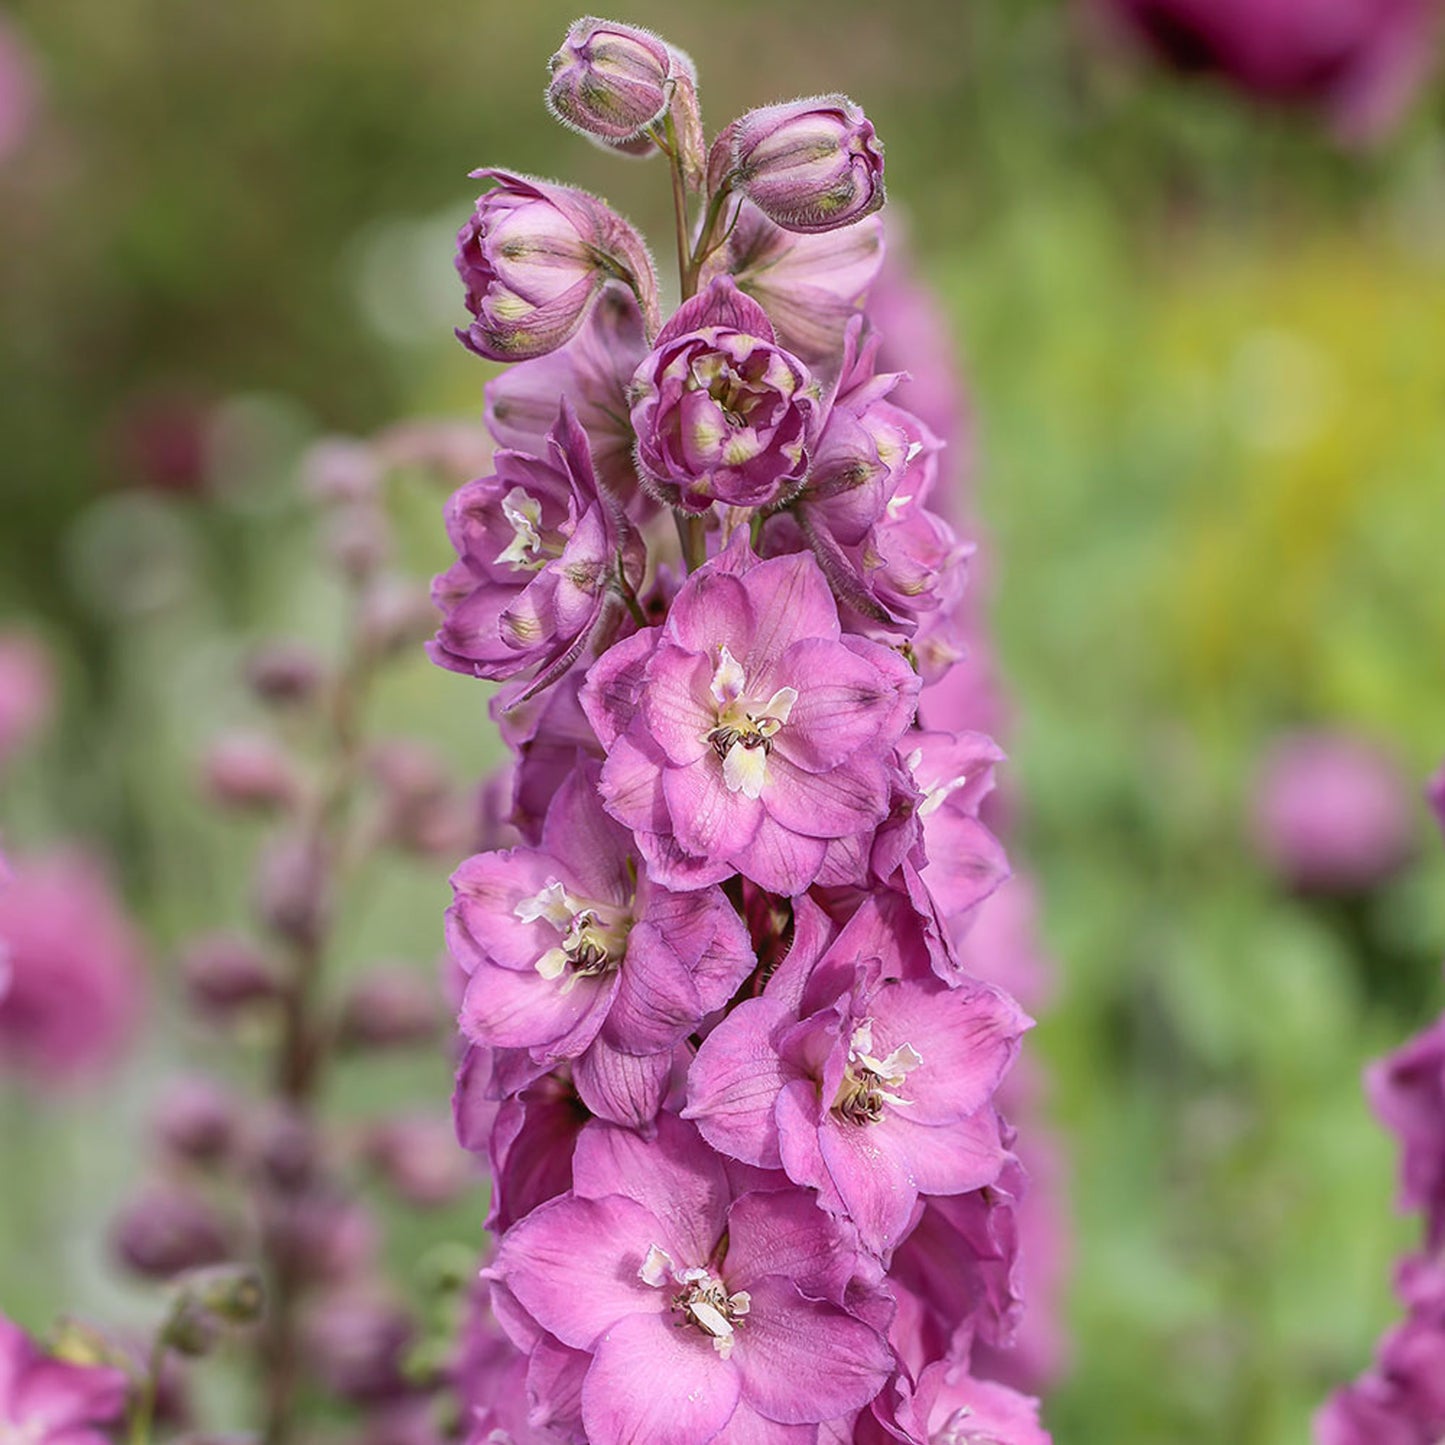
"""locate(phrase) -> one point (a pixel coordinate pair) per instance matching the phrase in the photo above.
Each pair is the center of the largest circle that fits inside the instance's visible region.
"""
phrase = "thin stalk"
(686, 274)
(693, 536)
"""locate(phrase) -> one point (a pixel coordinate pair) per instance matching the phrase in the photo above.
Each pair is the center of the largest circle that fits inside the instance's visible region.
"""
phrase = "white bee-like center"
(870, 1083)
(746, 727)
(702, 1300)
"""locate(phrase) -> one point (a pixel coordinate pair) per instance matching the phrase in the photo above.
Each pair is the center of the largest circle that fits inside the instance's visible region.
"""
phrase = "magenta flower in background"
(748, 730)
(697, 1300)
(1331, 813)
(808, 165)
(573, 953)
(48, 1401)
(533, 257)
(76, 969)
(722, 413)
(540, 552)
(27, 691)
(1358, 61)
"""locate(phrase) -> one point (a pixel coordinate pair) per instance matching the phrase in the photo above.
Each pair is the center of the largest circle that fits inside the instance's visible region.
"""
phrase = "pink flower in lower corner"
(748, 730)
(947, 1406)
(573, 952)
(75, 969)
(684, 1302)
(47, 1401)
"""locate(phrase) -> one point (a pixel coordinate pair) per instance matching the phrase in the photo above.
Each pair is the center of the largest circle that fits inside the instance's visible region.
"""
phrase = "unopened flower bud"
(318, 1236)
(284, 673)
(396, 614)
(225, 974)
(359, 1344)
(230, 1292)
(611, 82)
(191, 1330)
(288, 1150)
(341, 469)
(168, 1229)
(809, 165)
(419, 1159)
(358, 540)
(196, 1121)
(533, 257)
(422, 812)
(249, 770)
(292, 888)
(388, 1009)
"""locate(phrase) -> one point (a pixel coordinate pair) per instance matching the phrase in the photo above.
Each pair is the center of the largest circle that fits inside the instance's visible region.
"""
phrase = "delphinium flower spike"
(736, 1087)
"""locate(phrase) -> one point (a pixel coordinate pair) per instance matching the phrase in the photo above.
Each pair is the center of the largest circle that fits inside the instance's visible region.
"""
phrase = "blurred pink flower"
(76, 970)
(46, 1401)
(1331, 813)
(1357, 61)
(27, 687)
(19, 91)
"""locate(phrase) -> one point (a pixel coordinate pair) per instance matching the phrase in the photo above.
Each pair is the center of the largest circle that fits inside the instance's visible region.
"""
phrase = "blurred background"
(1201, 322)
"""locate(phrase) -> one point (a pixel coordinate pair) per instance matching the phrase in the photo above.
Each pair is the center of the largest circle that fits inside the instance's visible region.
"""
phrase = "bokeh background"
(1203, 340)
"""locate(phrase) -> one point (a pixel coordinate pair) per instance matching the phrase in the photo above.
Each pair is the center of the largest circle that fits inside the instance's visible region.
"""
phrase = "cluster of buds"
(1402, 1396)
(737, 1087)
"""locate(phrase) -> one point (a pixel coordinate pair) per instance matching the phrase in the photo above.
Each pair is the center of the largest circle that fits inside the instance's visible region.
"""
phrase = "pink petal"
(790, 601)
(843, 704)
(625, 1088)
(677, 705)
(657, 1003)
(734, 1082)
(706, 819)
(850, 798)
(653, 1384)
(513, 1009)
(780, 860)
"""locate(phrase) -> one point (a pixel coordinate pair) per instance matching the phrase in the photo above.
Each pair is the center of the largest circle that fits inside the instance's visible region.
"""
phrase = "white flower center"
(868, 1082)
(702, 1299)
(957, 1431)
(594, 936)
(529, 550)
(745, 729)
(936, 793)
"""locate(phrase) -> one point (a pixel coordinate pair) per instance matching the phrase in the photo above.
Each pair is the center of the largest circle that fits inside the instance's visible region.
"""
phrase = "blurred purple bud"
(533, 257)
(1331, 813)
(249, 770)
(287, 1150)
(809, 165)
(359, 1344)
(395, 615)
(292, 888)
(284, 673)
(224, 973)
(418, 1157)
(196, 1121)
(168, 1229)
(191, 1330)
(341, 469)
(422, 812)
(390, 1008)
(611, 82)
(358, 540)
(319, 1236)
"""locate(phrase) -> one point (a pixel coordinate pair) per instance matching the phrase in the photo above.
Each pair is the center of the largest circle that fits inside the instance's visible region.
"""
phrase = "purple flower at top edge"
(574, 954)
(721, 412)
(47, 1401)
(706, 1304)
(747, 730)
(866, 1085)
(539, 555)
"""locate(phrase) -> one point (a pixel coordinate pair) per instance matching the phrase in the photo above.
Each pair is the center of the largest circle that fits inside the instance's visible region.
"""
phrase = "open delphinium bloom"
(736, 1085)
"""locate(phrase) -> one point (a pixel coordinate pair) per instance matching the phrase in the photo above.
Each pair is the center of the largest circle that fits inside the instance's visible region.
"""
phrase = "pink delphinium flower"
(573, 953)
(696, 1300)
(721, 412)
(27, 691)
(1331, 813)
(866, 1085)
(748, 729)
(49, 1401)
(75, 967)
(540, 553)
